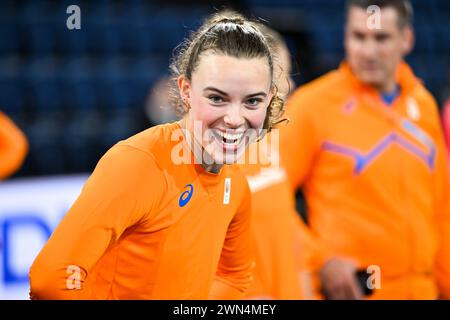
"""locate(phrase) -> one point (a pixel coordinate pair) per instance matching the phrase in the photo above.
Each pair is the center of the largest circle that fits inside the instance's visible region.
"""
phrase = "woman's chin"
(226, 153)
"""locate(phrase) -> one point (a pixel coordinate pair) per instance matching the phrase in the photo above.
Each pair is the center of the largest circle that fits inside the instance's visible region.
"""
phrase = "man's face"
(373, 54)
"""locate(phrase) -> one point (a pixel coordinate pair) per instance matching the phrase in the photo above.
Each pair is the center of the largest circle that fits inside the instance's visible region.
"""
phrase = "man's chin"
(373, 79)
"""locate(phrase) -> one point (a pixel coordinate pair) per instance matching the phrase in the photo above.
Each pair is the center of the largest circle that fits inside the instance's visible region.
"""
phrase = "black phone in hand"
(362, 276)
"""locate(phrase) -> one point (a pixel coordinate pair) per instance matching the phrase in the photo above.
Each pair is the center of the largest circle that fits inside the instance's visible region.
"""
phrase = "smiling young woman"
(223, 81)
(146, 227)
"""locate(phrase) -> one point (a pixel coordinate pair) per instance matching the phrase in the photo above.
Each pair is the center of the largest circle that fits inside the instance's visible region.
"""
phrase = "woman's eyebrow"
(257, 94)
(226, 94)
(216, 90)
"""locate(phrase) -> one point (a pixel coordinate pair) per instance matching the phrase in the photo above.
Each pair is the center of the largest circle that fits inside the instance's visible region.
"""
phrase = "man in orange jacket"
(371, 162)
(13, 147)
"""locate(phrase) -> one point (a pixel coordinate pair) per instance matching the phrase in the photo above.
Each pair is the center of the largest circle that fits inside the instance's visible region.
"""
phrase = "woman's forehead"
(219, 69)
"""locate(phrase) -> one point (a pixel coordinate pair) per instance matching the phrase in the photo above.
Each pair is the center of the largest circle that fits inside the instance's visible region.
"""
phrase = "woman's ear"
(185, 87)
(273, 92)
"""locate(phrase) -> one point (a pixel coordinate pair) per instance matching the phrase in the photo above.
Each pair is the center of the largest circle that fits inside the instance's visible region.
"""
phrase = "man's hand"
(338, 280)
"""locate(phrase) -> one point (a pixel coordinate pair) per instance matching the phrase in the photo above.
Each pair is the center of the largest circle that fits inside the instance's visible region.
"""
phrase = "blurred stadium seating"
(75, 93)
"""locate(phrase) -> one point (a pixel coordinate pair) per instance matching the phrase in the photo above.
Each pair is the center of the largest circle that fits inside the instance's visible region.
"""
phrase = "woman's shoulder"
(149, 146)
(156, 141)
(153, 138)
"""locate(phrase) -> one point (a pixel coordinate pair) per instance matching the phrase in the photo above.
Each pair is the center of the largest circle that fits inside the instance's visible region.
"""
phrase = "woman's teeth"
(230, 138)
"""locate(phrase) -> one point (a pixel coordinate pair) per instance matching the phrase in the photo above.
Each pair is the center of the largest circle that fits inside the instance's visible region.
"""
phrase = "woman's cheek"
(201, 110)
(257, 117)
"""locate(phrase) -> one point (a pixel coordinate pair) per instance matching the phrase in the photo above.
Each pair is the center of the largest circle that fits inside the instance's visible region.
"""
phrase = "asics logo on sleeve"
(186, 195)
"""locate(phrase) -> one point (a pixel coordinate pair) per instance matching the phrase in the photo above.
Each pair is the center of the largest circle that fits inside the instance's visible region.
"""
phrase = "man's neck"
(387, 87)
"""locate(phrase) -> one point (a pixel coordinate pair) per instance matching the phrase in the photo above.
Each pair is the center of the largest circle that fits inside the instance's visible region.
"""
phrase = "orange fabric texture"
(375, 178)
(13, 147)
(146, 228)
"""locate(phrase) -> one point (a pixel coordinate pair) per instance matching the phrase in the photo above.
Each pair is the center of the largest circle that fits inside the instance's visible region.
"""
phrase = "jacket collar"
(404, 76)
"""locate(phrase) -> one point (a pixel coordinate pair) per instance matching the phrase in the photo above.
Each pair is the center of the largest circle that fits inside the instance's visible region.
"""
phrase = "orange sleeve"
(234, 273)
(442, 202)
(13, 147)
(314, 254)
(123, 190)
(299, 140)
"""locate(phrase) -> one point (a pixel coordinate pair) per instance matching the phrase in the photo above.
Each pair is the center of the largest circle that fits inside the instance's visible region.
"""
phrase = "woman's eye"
(253, 102)
(215, 99)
